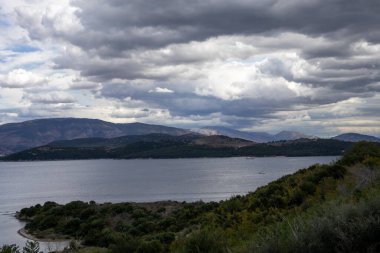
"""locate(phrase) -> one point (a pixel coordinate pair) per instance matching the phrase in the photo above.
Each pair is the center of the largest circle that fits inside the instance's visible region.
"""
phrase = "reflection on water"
(209, 179)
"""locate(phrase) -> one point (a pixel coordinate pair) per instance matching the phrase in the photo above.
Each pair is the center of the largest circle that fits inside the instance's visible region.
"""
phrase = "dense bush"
(9, 249)
(30, 247)
(204, 241)
(337, 228)
(359, 152)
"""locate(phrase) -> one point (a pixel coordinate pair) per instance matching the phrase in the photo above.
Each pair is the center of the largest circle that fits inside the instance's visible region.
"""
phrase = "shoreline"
(168, 158)
(22, 232)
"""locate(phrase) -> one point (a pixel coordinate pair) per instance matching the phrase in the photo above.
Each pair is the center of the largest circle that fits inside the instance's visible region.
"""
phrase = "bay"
(23, 184)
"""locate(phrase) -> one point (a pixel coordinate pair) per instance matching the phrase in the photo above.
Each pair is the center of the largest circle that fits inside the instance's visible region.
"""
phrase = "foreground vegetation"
(30, 247)
(324, 208)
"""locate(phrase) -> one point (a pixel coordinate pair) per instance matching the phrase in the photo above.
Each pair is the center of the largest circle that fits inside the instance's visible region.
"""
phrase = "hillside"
(252, 136)
(24, 135)
(291, 135)
(168, 146)
(260, 137)
(220, 141)
(323, 208)
(138, 146)
(355, 137)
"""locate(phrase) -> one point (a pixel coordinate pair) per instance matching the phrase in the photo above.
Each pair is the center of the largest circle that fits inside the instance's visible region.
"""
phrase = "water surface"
(23, 184)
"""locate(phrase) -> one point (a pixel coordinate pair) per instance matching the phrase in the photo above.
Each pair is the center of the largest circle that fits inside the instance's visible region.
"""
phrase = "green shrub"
(9, 249)
(150, 247)
(308, 187)
(48, 205)
(165, 237)
(204, 242)
(72, 226)
(124, 246)
(31, 247)
(340, 228)
(31, 211)
(48, 222)
(359, 152)
(88, 212)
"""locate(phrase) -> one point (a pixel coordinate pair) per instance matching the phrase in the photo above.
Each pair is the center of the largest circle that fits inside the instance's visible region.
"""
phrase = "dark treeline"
(176, 147)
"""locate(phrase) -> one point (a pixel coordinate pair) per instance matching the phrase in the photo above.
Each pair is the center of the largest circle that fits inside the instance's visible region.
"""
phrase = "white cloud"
(43, 22)
(21, 78)
(51, 98)
(161, 90)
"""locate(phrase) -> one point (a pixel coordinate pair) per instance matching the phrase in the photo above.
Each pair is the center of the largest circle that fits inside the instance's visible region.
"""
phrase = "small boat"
(261, 172)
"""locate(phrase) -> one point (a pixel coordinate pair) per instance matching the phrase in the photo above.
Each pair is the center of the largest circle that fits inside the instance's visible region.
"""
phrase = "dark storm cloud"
(361, 82)
(335, 49)
(342, 74)
(347, 64)
(100, 70)
(114, 27)
(179, 104)
(124, 25)
(187, 104)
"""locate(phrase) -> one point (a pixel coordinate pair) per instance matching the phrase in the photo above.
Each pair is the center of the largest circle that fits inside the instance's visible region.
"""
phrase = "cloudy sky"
(259, 65)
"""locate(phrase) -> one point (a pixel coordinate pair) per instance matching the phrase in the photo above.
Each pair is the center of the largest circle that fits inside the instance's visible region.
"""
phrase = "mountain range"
(24, 135)
(21, 136)
(354, 137)
(260, 137)
(263, 137)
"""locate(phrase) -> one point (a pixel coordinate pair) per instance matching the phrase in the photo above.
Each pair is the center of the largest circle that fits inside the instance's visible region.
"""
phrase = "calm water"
(209, 179)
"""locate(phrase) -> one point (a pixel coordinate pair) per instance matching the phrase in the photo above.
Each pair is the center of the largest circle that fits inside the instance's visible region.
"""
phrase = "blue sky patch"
(32, 65)
(22, 48)
(3, 20)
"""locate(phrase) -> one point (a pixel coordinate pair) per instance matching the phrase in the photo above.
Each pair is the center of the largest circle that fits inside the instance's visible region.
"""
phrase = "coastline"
(28, 236)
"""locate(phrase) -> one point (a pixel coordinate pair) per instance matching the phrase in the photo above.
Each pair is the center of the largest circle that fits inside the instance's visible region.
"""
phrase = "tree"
(9, 249)
(31, 247)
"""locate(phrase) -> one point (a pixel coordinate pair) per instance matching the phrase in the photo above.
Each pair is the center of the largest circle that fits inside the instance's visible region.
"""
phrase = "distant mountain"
(20, 136)
(355, 137)
(220, 141)
(169, 146)
(218, 130)
(291, 135)
(260, 137)
(93, 133)
(191, 139)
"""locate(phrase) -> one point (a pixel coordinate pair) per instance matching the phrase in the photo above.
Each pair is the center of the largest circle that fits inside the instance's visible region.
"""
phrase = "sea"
(23, 184)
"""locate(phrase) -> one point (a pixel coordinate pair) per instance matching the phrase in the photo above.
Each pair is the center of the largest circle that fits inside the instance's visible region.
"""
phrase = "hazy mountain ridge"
(219, 130)
(20, 136)
(29, 134)
(260, 137)
(292, 135)
(355, 137)
(218, 141)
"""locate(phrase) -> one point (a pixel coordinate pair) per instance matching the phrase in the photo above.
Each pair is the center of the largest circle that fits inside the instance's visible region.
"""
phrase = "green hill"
(184, 146)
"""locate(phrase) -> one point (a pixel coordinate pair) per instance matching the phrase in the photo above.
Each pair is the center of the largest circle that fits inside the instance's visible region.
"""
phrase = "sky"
(256, 65)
